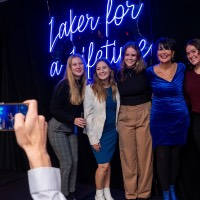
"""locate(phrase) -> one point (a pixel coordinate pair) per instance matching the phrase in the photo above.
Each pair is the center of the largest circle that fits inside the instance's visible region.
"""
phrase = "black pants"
(196, 129)
(168, 162)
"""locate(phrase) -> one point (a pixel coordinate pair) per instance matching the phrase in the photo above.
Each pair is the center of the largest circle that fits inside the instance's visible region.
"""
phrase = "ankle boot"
(172, 193)
(107, 194)
(99, 195)
(166, 195)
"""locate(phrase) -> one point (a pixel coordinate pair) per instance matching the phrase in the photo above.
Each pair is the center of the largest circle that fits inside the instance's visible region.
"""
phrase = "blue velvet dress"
(109, 135)
(169, 119)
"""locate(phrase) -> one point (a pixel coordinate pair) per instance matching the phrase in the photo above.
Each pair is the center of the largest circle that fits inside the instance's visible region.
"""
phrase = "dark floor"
(14, 186)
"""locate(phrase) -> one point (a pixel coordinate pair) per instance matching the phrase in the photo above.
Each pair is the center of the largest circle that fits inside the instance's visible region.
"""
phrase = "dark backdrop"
(24, 72)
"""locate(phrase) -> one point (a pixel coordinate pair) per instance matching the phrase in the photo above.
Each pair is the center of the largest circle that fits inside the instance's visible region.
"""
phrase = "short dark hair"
(166, 42)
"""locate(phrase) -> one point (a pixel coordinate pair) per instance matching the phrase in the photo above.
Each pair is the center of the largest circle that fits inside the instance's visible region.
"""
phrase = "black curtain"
(24, 72)
(24, 67)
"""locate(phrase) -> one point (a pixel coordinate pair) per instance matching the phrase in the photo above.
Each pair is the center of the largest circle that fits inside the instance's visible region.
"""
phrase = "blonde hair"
(76, 98)
(97, 85)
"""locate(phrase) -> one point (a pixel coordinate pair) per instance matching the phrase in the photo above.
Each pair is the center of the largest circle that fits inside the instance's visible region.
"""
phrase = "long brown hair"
(76, 97)
(97, 84)
(140, 63)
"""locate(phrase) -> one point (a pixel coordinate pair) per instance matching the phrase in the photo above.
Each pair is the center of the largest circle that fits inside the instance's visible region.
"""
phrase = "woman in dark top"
(192, 87)
(66, 108)
(169, 119)
(133, 124)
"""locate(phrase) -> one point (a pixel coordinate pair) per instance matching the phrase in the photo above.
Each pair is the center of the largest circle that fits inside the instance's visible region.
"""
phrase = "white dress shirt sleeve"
(45, 183)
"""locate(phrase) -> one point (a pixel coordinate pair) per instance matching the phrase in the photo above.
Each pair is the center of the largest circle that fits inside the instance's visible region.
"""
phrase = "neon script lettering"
(79, 24)
(120, 13)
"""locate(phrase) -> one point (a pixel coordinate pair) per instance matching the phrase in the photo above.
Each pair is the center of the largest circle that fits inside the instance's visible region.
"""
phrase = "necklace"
(107, 91)
(130, 74)
(79, 83)
(106, 84)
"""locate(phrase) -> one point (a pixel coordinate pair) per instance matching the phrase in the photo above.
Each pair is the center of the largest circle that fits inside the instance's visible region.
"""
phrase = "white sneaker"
(109, 198)
(107, 194)
(99, 197)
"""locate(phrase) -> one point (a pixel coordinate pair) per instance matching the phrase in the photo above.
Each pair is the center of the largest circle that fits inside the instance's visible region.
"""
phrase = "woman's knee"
(104, 167)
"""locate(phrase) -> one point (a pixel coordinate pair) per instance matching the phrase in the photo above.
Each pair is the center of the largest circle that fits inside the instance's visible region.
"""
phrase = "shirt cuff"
(44, 179)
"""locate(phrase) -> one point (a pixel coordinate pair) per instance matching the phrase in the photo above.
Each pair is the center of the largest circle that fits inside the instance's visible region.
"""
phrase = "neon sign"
(80, 24)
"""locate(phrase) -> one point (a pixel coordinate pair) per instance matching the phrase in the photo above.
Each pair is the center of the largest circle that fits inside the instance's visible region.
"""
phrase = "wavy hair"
(97, 85)
(76, 97)
(140, 64)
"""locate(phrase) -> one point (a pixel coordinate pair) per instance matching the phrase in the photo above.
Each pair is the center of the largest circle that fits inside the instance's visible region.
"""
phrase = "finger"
(43, 128)
(32, 111)
(18, 121)
(76, 122)
(19, 128)
(46, 126)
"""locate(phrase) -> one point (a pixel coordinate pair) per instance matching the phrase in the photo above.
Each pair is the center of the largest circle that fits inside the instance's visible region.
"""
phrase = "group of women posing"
(145, 107)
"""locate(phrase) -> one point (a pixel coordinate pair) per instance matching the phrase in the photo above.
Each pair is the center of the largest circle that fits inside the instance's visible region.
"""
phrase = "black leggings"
(196, 129)
(168, 162)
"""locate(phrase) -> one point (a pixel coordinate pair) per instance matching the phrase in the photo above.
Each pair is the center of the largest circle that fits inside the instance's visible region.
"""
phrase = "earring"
(172, 58)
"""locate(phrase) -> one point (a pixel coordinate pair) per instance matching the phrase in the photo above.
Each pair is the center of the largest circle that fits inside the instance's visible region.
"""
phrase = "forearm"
(38, 159)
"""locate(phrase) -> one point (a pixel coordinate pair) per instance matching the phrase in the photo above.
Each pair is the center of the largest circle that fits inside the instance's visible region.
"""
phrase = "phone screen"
(7, 113)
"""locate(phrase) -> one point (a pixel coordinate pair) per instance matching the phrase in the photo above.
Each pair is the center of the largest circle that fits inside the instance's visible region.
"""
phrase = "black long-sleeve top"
(61, 108)
(134, 90)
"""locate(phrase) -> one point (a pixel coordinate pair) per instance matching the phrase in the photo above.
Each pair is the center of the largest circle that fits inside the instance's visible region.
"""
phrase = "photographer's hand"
(31, 134)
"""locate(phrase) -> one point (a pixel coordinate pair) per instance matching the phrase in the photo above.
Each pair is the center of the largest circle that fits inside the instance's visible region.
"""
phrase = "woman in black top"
(66, 108)
(133, 124)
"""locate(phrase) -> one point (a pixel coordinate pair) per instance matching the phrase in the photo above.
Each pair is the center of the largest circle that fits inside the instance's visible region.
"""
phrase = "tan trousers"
(135, 146)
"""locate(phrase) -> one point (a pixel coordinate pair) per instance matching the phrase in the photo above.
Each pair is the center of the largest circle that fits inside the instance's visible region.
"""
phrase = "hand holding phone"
(31, 134)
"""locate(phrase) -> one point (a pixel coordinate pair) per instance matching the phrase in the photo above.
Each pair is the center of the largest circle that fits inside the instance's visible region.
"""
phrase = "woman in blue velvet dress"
(169, 120)
(101, 106)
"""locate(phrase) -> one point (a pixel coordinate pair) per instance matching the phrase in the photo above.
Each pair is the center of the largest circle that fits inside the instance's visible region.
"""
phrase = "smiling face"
(103, 71)
(193, 55)
(130, 57)
(77, 67)
(164, 55)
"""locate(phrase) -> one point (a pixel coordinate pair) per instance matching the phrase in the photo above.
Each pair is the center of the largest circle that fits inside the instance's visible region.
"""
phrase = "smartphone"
(7, 113)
